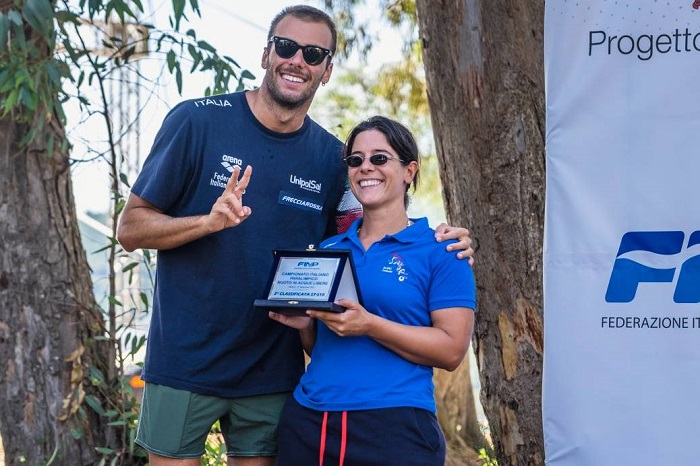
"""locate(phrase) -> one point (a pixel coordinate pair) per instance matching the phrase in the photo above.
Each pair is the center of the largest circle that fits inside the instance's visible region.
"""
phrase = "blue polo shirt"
(403, 278)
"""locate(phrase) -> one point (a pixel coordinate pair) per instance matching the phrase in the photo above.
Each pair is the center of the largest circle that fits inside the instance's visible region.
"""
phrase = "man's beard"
(286, 101)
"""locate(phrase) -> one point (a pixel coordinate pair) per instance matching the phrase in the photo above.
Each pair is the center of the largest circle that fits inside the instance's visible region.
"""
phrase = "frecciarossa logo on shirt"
(293, 200)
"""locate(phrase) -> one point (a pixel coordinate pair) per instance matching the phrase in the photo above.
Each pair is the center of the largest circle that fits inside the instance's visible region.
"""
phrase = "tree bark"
(48, 316)
(456, 411)
(484, 72)
(50, 325)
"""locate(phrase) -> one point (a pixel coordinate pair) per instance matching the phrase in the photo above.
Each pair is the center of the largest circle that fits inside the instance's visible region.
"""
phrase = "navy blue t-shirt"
(205, 335)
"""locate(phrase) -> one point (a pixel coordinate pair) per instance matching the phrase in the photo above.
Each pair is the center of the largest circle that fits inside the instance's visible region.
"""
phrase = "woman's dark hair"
(399, 137)
(309, 14)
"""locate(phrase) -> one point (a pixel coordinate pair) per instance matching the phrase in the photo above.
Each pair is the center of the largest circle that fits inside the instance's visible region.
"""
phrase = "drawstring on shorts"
(343, 438)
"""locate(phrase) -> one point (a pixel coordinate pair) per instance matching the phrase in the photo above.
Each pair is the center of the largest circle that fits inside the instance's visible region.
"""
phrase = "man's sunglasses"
(286, 48)
(355, 161)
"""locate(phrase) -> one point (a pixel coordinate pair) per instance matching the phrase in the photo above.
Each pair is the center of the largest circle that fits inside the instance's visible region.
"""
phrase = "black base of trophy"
(297, 308)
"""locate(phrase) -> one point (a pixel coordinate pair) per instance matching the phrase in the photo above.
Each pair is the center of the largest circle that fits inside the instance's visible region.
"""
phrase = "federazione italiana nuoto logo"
(662, 257)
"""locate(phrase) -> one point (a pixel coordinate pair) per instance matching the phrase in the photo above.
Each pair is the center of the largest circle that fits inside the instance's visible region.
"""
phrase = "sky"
(236, 28)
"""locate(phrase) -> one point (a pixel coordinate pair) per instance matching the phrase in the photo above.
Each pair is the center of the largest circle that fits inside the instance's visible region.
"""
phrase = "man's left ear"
(265, 58)
(327, 74)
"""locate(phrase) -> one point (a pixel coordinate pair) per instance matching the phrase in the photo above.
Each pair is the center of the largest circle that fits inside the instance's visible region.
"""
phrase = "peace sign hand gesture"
(228, 210)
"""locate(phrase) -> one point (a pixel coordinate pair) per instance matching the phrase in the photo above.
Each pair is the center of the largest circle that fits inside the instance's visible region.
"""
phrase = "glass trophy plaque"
(310, 279)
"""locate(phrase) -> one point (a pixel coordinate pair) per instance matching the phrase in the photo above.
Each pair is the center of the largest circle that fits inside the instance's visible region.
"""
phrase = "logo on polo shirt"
(229, 163)
(396, 266)
(212, 101)
(299, 202)
(308, 185)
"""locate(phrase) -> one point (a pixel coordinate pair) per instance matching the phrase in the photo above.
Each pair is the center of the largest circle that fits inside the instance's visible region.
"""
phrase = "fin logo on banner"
(627, 273)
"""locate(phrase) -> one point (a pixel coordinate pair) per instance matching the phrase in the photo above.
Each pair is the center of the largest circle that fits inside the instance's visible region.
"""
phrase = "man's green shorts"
(175, 423)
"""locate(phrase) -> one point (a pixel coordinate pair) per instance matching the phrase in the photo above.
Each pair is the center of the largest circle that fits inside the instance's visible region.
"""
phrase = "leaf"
(232, 61)
(178, 11)
(94, 404)
(96, 376)
(120, 206)
(104, 450)
(93, 7)
(4, 30)
(206, 46)
(178, 79)
(39, 15)
(123, 178)
(195, 7)
(128, 267)
(5, 79)
(75, 354)
(171, 59)
(114, 301)
(15, 17)
(10, 101)
(138, 4)
(54, 74)
(29, 99)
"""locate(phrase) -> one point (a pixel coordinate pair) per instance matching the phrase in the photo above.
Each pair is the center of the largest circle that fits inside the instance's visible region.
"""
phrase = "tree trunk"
(50, 351)
(48, 316)
(484, 72)
(456, 411)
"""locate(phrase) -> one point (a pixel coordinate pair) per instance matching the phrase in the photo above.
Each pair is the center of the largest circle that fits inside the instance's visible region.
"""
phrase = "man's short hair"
(309, 14)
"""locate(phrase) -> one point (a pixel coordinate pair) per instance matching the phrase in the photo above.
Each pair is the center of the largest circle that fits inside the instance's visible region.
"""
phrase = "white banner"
(621, 381)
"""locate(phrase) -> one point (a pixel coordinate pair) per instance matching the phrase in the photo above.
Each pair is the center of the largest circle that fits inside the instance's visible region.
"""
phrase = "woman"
(367, 395)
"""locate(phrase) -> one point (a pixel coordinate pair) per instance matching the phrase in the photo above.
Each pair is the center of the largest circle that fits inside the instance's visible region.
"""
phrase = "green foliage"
(42, 49)
(486, 458)
(49, 55)
(115, 401)
(397, 90)
(355, 34)
(214, 448)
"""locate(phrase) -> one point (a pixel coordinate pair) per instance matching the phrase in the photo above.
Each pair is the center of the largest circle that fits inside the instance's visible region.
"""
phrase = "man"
(211, 356)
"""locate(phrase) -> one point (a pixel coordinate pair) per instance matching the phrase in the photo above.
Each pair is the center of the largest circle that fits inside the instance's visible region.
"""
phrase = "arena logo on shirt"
(397, 266)
(229, 163)
(656, 257)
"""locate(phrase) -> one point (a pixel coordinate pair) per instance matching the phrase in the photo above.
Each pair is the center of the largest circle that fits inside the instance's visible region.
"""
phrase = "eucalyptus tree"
(484, 69)
(398, 89)
(59, 379)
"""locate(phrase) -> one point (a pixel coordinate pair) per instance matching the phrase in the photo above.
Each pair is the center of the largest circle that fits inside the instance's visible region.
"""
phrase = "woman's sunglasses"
(286, 48)
(355, 161)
